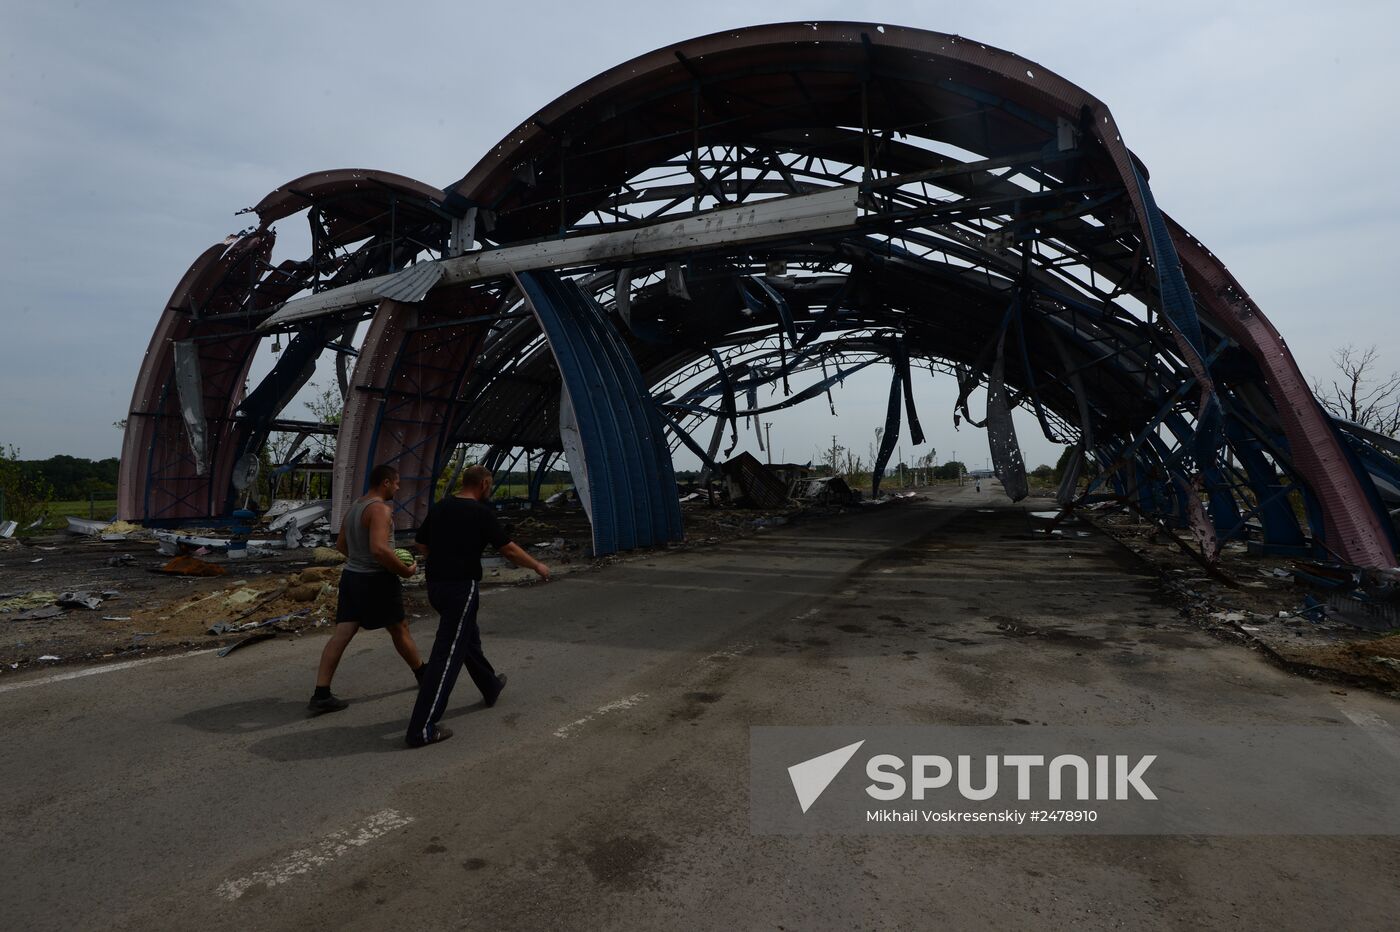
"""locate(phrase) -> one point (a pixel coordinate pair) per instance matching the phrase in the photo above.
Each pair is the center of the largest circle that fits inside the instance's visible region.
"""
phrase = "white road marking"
(1362, 719)
(618, 706)
(327, 850)
(738, 650)
(1376, 727)
(106, 668)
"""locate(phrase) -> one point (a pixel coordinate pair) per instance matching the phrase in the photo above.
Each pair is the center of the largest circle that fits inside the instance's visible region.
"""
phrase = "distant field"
(79, 508)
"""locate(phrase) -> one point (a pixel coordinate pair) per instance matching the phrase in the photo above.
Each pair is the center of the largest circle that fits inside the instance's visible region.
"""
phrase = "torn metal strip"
(189, 386)
(890, 437)
(916, 431)
(1001, 432)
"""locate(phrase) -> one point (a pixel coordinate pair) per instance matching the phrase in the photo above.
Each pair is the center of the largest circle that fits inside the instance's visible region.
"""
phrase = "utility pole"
(768, 432)
(833, 454)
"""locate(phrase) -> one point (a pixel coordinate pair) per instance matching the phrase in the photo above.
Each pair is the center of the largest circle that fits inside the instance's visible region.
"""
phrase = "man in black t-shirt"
(452, 537)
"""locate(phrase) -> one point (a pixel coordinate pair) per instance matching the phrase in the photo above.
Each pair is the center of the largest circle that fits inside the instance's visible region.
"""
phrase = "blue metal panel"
(1275, 513)
(1180, 308)
(632, 487)
(1365, 460)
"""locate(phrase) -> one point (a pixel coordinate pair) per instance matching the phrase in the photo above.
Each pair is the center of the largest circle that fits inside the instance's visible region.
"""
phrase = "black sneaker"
(499, 689)
(330, 703)
(439, 734)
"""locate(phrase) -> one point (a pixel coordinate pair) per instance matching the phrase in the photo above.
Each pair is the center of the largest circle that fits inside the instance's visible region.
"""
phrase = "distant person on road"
(371, 595)
(979, 485)
(452, 537)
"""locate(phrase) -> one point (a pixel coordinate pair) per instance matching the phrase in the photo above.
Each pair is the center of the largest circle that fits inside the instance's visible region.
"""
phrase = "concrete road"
(609, 788)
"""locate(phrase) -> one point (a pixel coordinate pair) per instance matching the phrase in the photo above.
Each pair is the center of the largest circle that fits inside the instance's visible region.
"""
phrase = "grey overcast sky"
(131, 132)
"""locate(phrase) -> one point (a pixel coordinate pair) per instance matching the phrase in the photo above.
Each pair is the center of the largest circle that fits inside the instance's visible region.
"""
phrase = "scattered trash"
(116, 617)
(242, 597)
(121, 559)
(1366, 613)
(79, 599)
(307, 592)
(8, 528)
(250, 639)
(28, 600)
(327, 555)
(123, 528)
(50, 657)
(37, 560)
(86, 526)
(1312, 609)
(38, 614)
(191, 566)
(753, 484)
(831, 490)
(302, 516)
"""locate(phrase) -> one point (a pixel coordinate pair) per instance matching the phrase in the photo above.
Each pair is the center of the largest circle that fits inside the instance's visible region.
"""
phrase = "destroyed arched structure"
(742, 210)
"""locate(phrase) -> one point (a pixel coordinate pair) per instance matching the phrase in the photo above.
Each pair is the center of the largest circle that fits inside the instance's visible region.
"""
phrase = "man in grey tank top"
(371, 595)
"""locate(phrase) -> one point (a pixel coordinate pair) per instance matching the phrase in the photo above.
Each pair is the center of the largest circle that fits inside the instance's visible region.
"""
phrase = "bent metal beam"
(734, 227)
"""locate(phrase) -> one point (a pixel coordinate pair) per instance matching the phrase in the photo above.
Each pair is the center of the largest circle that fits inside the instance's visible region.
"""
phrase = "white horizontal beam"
(747, 224)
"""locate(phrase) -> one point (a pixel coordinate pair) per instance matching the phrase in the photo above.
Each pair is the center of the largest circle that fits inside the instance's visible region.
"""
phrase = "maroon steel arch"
(577, 150)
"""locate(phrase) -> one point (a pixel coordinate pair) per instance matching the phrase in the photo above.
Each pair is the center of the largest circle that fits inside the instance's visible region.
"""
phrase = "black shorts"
(371, 600)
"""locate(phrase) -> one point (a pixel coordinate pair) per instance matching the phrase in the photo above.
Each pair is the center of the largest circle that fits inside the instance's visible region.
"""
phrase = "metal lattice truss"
(768, 209)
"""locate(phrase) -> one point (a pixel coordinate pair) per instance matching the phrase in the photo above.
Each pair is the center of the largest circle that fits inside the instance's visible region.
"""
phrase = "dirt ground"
(1257, 599)
(143, 610)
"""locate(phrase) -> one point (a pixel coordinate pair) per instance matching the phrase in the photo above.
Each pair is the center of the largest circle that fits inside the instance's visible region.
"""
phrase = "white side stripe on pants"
(451, 653)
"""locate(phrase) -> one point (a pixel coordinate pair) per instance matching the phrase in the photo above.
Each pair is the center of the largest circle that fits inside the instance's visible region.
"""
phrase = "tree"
(950, 470)
(327, 407)
(27, 493)
(1062, 463)
(1359, 393)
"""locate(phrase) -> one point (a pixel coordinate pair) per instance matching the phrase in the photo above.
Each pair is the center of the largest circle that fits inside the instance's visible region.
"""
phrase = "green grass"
(521, 490)
(102, 509)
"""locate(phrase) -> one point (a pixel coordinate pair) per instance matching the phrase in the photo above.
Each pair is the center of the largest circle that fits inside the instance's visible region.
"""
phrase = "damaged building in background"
(771, 209)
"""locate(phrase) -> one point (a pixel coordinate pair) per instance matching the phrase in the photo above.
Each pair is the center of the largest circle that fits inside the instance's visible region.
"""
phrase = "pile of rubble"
(1325, 620)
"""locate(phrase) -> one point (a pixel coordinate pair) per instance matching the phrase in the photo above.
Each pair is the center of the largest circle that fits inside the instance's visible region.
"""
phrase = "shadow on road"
(249, 715)
(324, 741)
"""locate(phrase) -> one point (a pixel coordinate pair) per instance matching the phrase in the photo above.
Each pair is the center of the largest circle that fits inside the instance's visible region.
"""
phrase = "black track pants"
(458, 645)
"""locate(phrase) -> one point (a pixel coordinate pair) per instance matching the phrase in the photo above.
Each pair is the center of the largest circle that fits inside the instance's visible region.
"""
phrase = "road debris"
(28, 600)
(86, 600)
(186, 565)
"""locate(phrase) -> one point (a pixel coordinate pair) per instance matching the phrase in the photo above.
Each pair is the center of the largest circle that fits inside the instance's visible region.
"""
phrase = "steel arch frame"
(1003, 225)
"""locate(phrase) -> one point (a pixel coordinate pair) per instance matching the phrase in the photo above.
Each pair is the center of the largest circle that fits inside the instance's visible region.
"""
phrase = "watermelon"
(404, 556)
